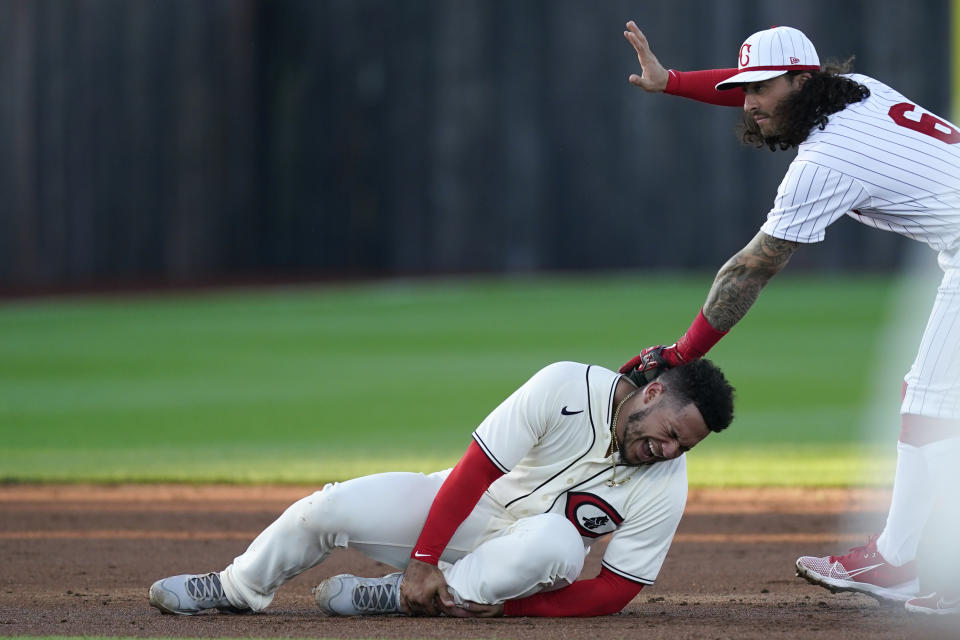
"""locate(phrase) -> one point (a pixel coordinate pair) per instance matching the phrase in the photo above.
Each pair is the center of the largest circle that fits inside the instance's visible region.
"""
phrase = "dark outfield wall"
(185, 139)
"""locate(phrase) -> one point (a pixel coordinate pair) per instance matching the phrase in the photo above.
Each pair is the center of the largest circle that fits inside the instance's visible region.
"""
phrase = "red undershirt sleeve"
(457, 497)
(699, 338)
(699, 85)
(606, 594)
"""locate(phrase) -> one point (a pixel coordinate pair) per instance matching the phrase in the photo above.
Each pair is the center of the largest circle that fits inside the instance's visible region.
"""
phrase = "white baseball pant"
(929, 472)
(933, 383)
(491, 558)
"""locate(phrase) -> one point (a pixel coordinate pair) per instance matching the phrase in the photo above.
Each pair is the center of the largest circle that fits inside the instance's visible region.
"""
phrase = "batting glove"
(651, 362)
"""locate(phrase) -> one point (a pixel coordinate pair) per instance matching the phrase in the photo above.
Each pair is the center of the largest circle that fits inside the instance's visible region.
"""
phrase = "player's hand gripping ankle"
(423, 591)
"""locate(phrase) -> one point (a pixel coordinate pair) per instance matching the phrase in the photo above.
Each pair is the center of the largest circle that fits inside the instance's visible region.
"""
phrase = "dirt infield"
(78, 561)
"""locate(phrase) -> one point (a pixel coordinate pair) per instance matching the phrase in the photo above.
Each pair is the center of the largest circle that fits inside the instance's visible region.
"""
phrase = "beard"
(632, 433)
(750, 132)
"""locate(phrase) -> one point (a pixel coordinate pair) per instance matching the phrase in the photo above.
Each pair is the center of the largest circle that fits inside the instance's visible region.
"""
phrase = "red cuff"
(607, 593)
(700, 86)
(456, 499)
(698, 339)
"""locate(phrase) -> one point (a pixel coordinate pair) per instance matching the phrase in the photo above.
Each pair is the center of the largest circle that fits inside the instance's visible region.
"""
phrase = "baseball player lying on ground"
(575, 453)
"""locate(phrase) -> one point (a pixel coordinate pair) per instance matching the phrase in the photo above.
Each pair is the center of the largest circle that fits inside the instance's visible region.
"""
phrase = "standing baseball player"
(575, 453)
(866, 151)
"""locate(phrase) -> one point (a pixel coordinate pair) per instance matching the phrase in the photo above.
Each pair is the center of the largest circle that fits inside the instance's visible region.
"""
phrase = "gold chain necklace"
(615, 446)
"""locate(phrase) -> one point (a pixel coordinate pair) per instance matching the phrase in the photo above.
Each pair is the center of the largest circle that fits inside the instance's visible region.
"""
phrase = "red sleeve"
(699, 338)
(699, 85)
(607, 593)
(456, 499)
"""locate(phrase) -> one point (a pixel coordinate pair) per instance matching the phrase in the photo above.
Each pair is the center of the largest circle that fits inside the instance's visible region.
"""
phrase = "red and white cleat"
(944, 603)
(863, 570)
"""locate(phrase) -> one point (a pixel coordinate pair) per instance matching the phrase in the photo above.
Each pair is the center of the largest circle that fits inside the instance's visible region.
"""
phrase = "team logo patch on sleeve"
(591, 515)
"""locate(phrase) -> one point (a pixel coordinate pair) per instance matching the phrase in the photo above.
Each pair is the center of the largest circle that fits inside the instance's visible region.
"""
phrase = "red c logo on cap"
(744, 55)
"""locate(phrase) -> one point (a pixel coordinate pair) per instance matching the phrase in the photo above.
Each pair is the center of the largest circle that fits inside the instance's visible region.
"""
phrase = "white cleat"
(936, 604)
(347, 595)
(862, 570)
(186, 595)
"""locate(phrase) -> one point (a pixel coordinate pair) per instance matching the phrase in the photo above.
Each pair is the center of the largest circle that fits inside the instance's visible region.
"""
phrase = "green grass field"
(315, 384)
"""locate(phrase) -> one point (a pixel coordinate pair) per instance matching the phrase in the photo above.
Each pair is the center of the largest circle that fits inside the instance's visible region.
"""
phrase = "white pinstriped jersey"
(551, 436)
(884, 161)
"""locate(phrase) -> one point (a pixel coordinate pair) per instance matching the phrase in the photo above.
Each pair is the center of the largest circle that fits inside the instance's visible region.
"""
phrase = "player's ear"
(652, 391)
(802, 78)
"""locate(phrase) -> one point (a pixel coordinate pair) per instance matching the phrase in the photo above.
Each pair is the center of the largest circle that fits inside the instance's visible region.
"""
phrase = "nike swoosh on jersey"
(417, 554)
(567, 412)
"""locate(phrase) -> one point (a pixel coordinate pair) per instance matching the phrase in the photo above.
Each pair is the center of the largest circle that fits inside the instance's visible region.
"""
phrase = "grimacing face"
(657, 427)
(762, 98)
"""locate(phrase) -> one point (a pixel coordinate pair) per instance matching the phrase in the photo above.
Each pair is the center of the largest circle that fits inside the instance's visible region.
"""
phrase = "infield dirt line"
(273, 499)
(132, 534)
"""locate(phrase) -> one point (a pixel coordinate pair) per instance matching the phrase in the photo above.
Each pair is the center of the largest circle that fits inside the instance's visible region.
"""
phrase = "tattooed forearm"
(734, 291)
(740, 280)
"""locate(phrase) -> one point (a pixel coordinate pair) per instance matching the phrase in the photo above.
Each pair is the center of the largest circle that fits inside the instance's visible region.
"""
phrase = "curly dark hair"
(702, 383)
(823, 94)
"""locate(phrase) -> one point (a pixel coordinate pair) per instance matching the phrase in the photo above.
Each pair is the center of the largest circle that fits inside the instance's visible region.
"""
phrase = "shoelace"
(856, 551)
(206, 588)
(375, 597)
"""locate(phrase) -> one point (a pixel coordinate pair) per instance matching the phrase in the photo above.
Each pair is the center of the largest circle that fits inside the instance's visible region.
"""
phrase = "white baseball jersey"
(889, 164)
(884, 161)
(551, 437)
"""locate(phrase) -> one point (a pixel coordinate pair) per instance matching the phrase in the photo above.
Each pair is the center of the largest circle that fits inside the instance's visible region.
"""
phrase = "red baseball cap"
(771, 53)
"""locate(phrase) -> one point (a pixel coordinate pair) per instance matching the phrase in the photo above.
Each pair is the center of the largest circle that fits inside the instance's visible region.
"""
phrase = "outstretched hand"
(423, 591)
(653, 76)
